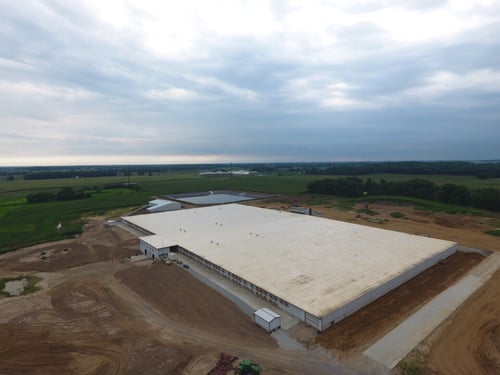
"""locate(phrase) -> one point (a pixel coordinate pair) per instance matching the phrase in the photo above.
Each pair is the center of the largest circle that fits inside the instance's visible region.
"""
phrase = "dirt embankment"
(98, 243)
(371, 322)
(87, 330)
(470, 342)
(185, 299)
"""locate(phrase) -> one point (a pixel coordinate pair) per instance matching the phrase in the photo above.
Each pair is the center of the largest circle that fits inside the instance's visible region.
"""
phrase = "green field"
(23, 224)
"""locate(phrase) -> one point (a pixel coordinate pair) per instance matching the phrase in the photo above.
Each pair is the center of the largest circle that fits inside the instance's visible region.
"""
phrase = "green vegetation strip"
(411, 367)
(494, 232)
(31, 286)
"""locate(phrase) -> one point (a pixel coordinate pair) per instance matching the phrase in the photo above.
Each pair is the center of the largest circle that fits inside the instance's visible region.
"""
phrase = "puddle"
(15, 287)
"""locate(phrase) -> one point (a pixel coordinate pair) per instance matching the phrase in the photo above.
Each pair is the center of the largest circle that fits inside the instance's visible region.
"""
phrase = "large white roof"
(314, 263)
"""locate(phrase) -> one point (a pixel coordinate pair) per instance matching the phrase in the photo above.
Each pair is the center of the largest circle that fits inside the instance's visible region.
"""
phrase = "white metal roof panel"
(157, 241)
(266, 315)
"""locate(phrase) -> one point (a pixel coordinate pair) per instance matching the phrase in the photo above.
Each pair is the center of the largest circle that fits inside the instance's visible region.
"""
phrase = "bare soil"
(370, 323)
(470, 342)
(96, 315)
(152, 319)
(180, 297)
(98, 243)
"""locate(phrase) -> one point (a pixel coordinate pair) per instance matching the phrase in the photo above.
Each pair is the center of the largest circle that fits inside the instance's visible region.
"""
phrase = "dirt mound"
(100, 243)
(181, 297)
(89, 331)
(87, 299)
(470, 343)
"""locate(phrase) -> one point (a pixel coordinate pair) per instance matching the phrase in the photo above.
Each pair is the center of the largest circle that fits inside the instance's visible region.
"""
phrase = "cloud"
(249, 80)
(42, 91)
(444, 82)
(224, 87)
(326, 93)
(173, 93)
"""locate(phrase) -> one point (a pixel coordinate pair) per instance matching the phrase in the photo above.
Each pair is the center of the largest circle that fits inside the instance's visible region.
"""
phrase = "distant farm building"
(160, 205)
(203, 198)
(316, 269)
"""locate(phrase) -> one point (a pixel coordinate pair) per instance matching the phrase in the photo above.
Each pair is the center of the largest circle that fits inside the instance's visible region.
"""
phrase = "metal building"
(267, 319)
(318, 270)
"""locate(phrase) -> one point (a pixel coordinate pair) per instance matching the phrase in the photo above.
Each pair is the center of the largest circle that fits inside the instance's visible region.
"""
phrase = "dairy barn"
(316, 269)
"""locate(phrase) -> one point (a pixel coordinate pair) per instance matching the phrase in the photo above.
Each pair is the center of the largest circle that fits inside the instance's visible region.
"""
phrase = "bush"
(397, 215)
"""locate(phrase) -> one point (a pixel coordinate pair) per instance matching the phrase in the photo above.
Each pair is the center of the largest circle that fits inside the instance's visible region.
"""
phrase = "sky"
(154, 82)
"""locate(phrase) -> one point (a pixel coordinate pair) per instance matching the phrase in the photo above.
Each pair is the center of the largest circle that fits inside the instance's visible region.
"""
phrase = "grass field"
(23, 224)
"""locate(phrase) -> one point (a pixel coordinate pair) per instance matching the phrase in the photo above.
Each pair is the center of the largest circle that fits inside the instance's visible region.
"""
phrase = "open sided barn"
(318, 270)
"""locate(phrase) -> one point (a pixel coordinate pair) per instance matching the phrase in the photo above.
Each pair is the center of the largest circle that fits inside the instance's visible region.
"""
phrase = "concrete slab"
(401, 340)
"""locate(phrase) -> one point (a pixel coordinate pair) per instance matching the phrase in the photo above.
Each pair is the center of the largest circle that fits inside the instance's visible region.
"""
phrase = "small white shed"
(267, 319)
(160, 205)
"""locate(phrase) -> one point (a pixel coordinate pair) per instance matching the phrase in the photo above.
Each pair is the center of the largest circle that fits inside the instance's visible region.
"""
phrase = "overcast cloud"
(97, 82)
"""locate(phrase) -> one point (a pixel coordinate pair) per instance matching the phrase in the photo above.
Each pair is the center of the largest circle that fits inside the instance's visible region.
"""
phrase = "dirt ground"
(176, 294)
(475, 333)
(98, 315)
(97, 243)
(370, 323)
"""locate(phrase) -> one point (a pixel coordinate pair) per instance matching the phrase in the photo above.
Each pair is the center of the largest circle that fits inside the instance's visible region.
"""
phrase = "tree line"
(456, 168)
(485, 198)
(65, 194)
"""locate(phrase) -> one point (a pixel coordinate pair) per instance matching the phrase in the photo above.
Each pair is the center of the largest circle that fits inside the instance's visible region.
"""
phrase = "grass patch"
(494, 232)
(397, 215)
(31, 287)
(366, 211)
(411, 367)
(422, 204)
(345, 204)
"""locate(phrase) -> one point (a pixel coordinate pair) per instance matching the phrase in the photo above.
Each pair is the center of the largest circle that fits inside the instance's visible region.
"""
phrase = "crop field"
(23, 224)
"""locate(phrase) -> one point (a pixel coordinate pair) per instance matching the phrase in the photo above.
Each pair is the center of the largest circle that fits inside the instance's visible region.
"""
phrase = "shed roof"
(157, 241)
(266, 314)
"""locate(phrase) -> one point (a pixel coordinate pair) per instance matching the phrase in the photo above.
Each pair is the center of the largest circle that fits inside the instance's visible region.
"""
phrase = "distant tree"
(488, 199)
(40, 197)
(371, 187)
(457, 194)
(10, 177)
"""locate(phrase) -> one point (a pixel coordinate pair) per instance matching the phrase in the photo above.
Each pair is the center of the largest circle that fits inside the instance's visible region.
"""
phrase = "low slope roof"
(314, 263)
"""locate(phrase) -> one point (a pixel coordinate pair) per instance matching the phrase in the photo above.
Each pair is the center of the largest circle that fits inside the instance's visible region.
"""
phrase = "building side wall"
(264, 294)
(275, 324)
(262, 323)
(151, 251)
(320, 323)
(378, 292)
(167, 207)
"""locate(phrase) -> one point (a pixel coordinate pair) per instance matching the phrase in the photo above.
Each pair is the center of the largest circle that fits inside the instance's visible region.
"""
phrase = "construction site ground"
(98, 315)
